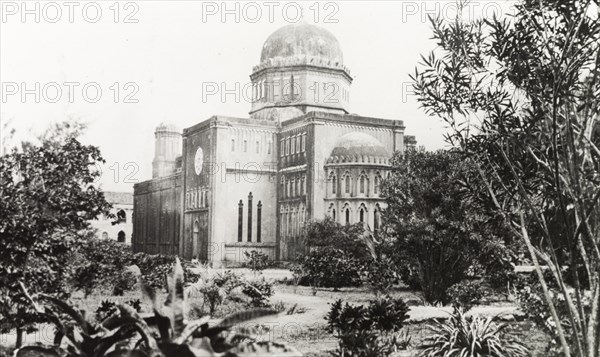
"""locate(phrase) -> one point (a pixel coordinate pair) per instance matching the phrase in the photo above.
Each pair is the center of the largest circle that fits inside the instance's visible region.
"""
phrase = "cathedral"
(230, 185)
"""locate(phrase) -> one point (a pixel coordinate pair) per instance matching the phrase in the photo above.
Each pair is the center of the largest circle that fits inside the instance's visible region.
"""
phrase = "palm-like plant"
(164, 334)
(470, 337)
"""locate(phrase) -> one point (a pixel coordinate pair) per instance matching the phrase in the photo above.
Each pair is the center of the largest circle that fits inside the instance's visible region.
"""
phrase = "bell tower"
(167, 148)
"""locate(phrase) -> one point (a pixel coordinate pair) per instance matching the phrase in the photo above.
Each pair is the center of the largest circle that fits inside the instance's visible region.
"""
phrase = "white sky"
(176, 46)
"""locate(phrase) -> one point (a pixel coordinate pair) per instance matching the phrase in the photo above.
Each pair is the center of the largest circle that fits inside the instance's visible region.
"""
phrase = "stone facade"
(244, 184)
(119, 228)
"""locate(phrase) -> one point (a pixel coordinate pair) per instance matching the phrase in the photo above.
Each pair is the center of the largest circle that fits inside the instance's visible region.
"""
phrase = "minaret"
(167, 148)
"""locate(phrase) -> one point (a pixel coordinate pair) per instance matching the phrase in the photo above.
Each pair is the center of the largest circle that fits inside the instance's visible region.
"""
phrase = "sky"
(124, 67)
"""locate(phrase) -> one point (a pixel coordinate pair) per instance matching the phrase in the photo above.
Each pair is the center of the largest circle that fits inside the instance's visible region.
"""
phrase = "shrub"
(337, 255)
(459, 336)
(216, 289)
(329, 267)
(257, 261)
(368, 331)
(532, 303)
(124, 282)
(156, 267)
(382, 274)
(259, 292)
(166, 333)
(99, 263)
(107, 308)
(466, 294)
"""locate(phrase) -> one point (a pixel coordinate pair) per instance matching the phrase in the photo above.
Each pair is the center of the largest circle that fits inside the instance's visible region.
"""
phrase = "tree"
(47, 197)
(521, 97)
(437, 233)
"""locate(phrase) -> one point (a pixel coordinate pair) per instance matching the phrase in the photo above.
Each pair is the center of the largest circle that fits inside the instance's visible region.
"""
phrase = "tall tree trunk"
(19, 342)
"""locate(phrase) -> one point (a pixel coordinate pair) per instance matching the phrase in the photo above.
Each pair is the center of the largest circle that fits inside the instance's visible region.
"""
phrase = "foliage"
(382, 274)
(475, 337)
(349, 238)
(259, 292)
(437, 232)
(531, 300)
(103, 263)
(337, 255)
(257, 261)
(100, 263)
(107, 308)
(330, 267)
(47, 197)
(466, 293)
(164, 334)
(520, 95)
(125, 281)
(368, 331)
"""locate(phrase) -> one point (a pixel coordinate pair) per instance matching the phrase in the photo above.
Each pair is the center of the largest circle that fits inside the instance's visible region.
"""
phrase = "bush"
(368, 331)
(259, 292)
(466, 294)
(337, 255)
(99, 263)
(532, 302)
(459, 336)
(216, 289)
(107, 308)
(257, 261)
(381, 273)
(124, 282)
(329, 267)
(155, 268)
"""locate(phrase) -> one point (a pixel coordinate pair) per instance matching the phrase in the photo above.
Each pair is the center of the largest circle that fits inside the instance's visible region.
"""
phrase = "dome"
(168, 127)
(302, 40)
(359, 147)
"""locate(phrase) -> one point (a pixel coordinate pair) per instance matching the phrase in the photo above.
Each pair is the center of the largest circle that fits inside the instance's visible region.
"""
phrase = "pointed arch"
(195, 238)
(347, 182)
(376, 218)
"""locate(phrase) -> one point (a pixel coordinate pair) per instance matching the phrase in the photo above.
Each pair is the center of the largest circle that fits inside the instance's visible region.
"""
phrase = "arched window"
(333, 180)
(258, 221)
(298, 186)
(282, 148)
(376, 218)
(121, 237)
(269, 144)
(362, 215)
(347, 182)
(347, 215)
(195, 239)
(304, 184)
(298, 144)
(281, 220)
(282, 186)
(104, 235)
(293, 149)
(232, 144)
(245, 145)
(121, 216)
(250, 217)
(377, 183)
(293, 184)
(333, 214)
(304, 142)
(362, 184)
(240, 220)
